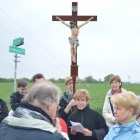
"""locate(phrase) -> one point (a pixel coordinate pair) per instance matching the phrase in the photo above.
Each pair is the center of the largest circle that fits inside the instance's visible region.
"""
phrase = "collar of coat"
(30, 123)
(127, 127)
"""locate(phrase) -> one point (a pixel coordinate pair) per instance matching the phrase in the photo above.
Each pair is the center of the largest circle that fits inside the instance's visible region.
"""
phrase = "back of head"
(126, 99)
(42, 94)
(37, 76)
(22, 83)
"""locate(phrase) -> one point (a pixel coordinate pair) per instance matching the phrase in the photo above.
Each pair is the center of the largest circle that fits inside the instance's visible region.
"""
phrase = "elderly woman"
(116, 87)
(33, 120)
(125, 108)
(94, 125)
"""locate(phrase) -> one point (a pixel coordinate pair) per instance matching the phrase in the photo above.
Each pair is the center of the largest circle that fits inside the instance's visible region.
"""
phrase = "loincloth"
(74, 41)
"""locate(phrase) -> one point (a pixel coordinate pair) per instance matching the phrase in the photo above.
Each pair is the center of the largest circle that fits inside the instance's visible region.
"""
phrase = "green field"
(97, 92)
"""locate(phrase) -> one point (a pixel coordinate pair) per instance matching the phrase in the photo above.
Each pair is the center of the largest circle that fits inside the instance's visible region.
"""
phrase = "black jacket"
(15, 100)
(91, 120)
(3, 110)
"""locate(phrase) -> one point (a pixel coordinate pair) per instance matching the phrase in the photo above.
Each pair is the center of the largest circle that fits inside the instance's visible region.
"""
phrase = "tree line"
(88, 79)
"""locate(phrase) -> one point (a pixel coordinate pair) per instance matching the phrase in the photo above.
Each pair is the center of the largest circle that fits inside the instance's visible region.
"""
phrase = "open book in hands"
(76, 126)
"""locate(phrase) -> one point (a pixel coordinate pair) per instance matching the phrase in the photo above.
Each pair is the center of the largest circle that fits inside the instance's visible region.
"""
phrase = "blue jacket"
(130, 131)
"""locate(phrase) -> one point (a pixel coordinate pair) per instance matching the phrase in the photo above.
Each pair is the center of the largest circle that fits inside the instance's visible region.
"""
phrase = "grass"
(97, 92)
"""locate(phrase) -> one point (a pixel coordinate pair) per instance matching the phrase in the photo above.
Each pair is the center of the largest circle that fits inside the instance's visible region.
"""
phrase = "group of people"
(43, 113)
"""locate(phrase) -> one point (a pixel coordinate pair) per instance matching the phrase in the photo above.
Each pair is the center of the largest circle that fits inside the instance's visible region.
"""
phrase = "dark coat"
(15, 100)
(29, 123)
(91, 120)
(18, 133)
(3, 110)
(63, 104)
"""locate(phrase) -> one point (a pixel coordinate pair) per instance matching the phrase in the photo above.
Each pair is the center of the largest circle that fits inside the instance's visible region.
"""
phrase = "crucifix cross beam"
(74, 16)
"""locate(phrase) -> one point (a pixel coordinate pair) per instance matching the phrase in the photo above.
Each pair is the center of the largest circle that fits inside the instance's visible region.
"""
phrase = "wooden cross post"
(74, 17)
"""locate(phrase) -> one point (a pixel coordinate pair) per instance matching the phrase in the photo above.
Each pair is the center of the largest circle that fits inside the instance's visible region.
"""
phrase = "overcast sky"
(110, 45)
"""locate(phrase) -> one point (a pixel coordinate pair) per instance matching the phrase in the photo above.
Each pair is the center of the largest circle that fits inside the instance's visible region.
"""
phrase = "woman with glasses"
(94, 125)
(67, 102)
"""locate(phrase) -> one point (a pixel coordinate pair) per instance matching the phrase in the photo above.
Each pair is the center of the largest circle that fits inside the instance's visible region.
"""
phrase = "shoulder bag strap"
(111, 106)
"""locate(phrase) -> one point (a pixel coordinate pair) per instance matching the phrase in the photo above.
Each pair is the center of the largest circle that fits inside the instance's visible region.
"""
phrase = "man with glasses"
(67, 101)
(33, 119)
(40, 78)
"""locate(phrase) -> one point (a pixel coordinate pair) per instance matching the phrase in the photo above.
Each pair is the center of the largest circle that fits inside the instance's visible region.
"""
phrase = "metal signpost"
(14, 49)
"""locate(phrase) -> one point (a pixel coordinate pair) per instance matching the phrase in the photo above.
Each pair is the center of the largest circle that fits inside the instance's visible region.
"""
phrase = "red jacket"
(63, 125)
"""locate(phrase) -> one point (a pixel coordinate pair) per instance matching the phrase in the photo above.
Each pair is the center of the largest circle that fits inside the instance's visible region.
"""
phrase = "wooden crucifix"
(74, 42)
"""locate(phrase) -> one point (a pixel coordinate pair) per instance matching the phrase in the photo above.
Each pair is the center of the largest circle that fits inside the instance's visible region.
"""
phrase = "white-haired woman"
(125, 106)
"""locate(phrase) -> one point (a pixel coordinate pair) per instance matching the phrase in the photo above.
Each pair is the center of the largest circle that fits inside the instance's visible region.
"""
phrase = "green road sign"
(17, 50)
(18, 41)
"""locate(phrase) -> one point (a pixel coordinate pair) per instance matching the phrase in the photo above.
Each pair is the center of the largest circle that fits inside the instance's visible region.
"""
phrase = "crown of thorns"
(72, 22)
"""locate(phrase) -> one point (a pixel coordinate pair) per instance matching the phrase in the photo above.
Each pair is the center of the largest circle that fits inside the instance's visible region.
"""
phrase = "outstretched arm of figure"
(63, 22)
(85, 22)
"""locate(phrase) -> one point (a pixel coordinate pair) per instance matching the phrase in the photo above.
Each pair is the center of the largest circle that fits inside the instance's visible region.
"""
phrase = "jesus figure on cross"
(74, 42)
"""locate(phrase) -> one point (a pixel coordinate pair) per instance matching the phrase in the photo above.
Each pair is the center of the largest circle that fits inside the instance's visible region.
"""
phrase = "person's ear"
(49, 106)
(131, 111)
